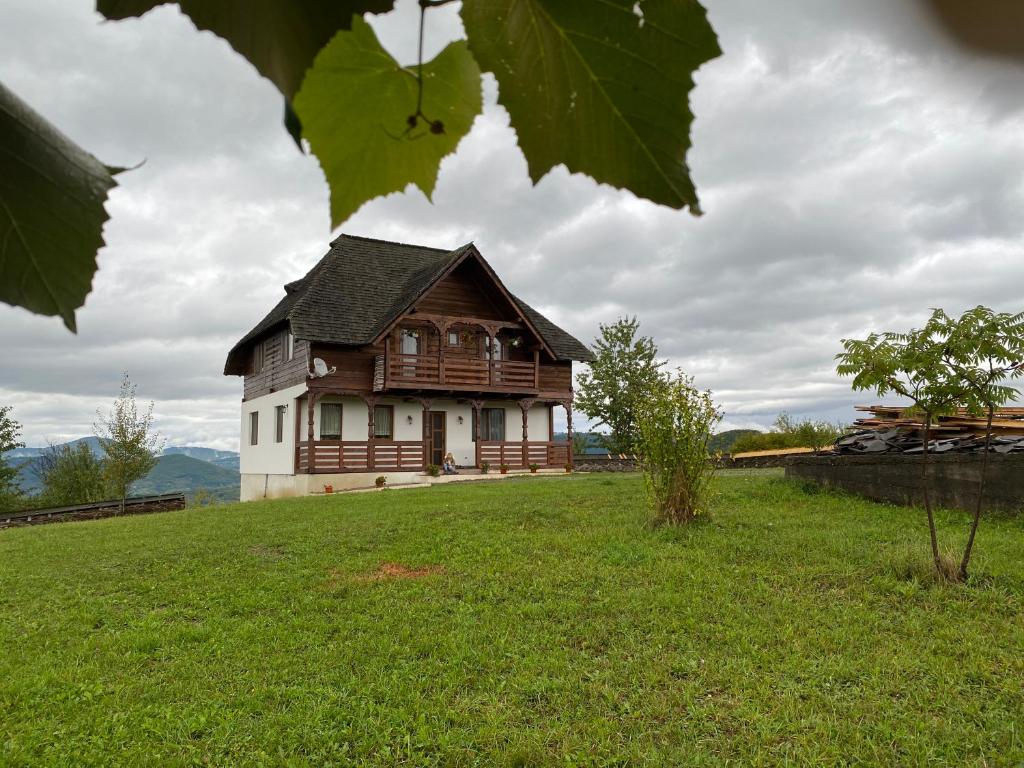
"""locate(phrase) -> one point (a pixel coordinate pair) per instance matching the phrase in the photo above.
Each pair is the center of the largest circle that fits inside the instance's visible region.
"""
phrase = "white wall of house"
(269, 457)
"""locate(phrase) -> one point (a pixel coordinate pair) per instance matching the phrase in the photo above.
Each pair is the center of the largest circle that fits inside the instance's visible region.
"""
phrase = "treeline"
(789, 432)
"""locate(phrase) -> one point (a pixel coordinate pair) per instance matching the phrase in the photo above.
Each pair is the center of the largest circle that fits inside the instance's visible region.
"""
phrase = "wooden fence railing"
(458, 372)
(357, 456)
(519, 455)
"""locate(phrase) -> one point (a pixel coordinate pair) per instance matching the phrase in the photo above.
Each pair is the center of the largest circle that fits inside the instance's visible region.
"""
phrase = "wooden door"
(436, 423)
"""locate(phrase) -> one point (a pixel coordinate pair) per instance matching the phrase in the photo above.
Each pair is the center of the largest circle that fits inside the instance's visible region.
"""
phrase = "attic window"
(258, 357)
(289, 345)
(453, 339)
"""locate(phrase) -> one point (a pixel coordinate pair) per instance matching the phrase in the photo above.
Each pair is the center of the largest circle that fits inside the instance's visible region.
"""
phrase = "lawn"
(524, 622)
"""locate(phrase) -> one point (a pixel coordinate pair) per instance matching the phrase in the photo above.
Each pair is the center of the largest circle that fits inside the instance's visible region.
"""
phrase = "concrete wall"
(895, 478)
(268, 456)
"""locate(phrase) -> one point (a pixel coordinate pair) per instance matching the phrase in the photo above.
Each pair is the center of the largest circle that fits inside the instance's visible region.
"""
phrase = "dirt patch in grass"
(275, 552)
(398, 571)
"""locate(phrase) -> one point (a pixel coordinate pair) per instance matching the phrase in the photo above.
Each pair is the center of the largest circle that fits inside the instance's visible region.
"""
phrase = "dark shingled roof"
(361, 286)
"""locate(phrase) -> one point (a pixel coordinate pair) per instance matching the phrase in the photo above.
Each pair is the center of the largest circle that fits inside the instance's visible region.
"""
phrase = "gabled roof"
(361, 286)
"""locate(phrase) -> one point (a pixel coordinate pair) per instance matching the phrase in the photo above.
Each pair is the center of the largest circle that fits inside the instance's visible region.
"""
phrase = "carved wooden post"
(426, 403)
(478, 406)
(568, 427)
(536, 369)
(524, 406)
(371, 438)
(311, 443)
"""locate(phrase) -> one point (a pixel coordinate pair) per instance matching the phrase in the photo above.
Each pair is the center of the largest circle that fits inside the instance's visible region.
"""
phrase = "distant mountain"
(225, 459)
(180, 468)
(178, 472)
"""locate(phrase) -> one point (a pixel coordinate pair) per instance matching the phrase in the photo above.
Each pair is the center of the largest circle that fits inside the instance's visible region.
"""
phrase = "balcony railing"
(440, 372)
(519, 455)
(357, 456)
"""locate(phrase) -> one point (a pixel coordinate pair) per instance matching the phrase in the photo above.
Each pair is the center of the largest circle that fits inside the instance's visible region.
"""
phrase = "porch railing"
(357, 456)
(412, 371)
(519, 455)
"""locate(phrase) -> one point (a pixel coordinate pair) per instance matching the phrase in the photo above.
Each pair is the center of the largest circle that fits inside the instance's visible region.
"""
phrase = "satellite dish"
(320, 369)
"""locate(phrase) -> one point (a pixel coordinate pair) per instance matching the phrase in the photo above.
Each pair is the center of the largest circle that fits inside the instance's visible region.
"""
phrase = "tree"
(911, 365)
(674, 427)
(10, 432)
(624, 373)
(72, 474)
(128, 439)
(601, 88)
(984, 349)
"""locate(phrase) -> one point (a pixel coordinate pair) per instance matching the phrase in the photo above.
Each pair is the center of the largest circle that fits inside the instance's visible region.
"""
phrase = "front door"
(436, 437)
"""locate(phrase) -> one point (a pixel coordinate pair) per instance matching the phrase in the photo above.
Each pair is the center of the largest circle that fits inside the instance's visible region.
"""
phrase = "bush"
(787, 432)
(534, 467)
(433, 470)
(485, 467)
(674, 427)
(72, 474)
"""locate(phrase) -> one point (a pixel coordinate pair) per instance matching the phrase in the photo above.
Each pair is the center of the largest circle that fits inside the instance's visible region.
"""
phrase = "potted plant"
(568, 468)
(503, 468)
(380, 481)
(485, 467)
(328, 489)
(433, 470)
(534, 468)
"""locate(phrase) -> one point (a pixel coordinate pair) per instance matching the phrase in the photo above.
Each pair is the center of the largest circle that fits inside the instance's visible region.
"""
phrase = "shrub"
(788, 432)
(534, 467)
(72, 474)
(380, 481)
(485, 467)
(675, 425)
(503, 468)
(433, 470)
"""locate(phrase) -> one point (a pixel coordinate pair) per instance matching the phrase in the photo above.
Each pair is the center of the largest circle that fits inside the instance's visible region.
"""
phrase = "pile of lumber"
(892, 428)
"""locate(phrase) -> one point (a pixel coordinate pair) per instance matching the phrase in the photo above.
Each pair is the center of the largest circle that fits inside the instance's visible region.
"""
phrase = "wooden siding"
(468, 292)
(556, 377)
(277, 373)
(355, 367)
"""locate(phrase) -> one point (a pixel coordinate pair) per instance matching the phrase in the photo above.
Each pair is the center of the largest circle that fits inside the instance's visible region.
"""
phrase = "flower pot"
(328, 489)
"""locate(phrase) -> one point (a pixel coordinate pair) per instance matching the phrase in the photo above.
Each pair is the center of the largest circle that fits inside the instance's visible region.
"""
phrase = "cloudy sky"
(854, 169)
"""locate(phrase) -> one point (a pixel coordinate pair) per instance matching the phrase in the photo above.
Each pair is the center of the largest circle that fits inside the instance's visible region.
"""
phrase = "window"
(330, 421)
(258, 357)
(410, 342)
(289, 345)
(254, 428)
(383, 421)
(279, 423)
(492, 424)
(453, 339)
(496, 348)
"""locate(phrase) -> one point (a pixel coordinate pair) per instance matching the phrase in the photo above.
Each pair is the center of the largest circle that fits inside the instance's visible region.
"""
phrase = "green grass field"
(525, 622)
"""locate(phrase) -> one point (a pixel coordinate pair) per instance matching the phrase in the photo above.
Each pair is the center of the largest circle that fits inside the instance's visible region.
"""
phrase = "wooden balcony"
(459, 373)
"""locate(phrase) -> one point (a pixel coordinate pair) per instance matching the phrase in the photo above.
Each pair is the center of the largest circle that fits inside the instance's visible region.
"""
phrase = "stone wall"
(604, 464)
(896, 478)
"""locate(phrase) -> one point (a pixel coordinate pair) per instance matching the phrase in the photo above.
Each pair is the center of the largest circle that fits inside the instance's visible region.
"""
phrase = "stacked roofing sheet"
(894, 429)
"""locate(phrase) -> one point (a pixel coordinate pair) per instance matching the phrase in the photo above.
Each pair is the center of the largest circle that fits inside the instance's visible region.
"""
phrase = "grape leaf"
(279, 37)
(355, 104)
(601, 87)
(51, 213)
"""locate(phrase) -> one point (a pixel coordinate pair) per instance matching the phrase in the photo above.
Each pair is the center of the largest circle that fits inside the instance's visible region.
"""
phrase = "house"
(387, 356)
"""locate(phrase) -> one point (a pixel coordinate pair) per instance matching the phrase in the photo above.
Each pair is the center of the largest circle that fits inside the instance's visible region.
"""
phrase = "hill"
(178, 472)
(723, 441)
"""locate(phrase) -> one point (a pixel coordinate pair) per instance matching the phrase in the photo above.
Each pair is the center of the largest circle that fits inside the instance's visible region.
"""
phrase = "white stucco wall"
(267, 456)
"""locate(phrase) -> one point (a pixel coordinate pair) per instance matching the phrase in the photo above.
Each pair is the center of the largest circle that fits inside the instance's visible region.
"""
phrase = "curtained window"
(254, 428)
(383, 420)
(492, 424)
(330, 421)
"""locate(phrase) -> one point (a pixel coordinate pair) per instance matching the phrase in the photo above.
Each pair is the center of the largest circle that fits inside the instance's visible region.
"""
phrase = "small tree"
(71, 474)
(10, 432)
(624, 374)
(911, 365)
(674, 427)
(128, 440)
(985, 350)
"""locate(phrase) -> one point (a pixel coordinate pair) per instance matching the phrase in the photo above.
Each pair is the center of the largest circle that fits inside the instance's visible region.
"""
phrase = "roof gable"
(361, 287)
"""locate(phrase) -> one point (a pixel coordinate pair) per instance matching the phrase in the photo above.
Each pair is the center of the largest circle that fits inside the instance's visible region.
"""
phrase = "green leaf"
(355, 103)
(601, 87)
(279, 37)
(51, 213)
